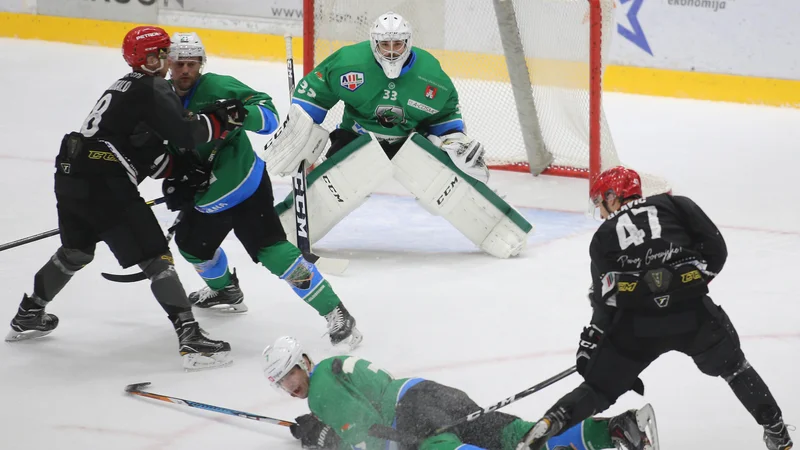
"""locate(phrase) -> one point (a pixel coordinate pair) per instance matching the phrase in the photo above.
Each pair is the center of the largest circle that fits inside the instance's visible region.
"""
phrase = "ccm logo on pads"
(447, 191)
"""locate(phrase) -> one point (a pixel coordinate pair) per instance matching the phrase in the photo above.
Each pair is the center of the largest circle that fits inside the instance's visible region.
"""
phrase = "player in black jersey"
(651, 262)
(137, 129)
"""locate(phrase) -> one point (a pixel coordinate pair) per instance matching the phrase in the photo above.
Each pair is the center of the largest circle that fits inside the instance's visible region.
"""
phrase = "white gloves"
(466, 153)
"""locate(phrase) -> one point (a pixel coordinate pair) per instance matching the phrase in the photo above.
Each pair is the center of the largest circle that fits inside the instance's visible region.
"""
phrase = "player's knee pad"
(471, 206)
(165, 284)
(337, 187)
(71, 260)
(158, 267)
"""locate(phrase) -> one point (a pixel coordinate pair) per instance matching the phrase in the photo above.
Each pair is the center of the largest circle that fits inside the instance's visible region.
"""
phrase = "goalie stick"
(391, 434)
(47, 234)
(136, 389)
(333, 266)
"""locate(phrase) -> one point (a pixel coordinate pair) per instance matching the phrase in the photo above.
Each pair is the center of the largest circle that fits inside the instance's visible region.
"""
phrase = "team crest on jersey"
(390, 115)
(352, 80)
(430, 92)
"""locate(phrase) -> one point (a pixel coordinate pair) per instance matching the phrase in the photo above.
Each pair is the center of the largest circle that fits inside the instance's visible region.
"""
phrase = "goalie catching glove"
(466, 153)
(298, 139)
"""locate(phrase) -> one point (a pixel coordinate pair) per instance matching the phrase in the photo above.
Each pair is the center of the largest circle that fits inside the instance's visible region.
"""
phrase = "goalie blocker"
(345, 180)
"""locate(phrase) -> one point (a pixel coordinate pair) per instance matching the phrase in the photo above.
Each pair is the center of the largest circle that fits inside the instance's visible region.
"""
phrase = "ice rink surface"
(429, 303)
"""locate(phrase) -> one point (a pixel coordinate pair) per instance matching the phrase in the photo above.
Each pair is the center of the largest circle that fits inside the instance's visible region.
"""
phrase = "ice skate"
(634, 430)
(228, 299)
(777, 437)
(31, 323)
(342, 327)
(199, 352)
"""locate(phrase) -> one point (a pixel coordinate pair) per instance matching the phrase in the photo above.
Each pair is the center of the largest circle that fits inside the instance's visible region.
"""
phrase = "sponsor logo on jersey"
(352, 80)
(430, 92)
(623, 286)
(662, 301)
(422, 107)
(105, 156)
(688, 277)
(390, 115)
(318, 74)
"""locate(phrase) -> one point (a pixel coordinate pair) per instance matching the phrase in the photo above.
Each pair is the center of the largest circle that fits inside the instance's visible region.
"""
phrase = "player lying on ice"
(348, 395)
(401, 119)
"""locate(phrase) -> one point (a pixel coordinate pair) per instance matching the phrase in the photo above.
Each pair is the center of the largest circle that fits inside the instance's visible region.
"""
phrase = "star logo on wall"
(635, 33)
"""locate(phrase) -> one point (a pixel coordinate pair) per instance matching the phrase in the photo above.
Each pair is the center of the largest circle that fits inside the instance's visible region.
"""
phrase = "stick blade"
(136, 386)
(127, 278)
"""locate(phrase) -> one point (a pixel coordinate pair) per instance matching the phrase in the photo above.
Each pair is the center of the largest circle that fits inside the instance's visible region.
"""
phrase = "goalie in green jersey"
(239, 198)
(401, 119)
(350, 398)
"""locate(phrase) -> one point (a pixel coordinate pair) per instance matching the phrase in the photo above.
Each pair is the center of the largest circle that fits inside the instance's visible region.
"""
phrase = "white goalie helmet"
(280, 358)
(186, 46)
(390, 38)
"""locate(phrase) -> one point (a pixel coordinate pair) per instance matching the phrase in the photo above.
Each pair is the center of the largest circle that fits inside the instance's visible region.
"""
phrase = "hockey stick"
(136, 389)
(141, 276)
(389, 433)
(330, 265)
(47, 234)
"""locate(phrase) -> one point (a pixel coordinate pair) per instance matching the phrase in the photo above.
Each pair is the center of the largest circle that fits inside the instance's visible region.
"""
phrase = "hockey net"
(528, 73)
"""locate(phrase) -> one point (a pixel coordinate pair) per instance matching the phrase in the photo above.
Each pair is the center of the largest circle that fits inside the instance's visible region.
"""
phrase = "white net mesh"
(466, 38)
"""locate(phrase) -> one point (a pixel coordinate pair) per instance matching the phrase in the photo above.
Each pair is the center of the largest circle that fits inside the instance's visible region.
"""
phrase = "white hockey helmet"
(186, 46)
(386, 32)
(280, 358)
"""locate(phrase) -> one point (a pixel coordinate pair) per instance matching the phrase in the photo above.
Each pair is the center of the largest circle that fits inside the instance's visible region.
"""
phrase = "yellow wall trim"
(233, 44)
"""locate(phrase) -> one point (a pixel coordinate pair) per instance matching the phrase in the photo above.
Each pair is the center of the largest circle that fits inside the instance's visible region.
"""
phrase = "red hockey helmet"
(142, 41)
(624, 183)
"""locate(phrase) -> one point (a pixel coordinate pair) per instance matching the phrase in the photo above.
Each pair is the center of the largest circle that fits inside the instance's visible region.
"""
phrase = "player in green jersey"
(401, 119)
(239, 198)
(347, 396)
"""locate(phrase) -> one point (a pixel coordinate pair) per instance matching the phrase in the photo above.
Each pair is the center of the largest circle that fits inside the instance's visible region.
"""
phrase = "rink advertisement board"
(741, 37)
(141, 11)
(722, 50)
(286, 10)
(18, 6)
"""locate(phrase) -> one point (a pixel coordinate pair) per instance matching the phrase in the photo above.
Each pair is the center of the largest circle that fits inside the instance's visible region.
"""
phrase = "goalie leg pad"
(338, 186)
(474, 209)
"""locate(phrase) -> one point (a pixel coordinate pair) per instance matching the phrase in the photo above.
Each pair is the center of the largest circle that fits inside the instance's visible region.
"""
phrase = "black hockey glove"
(589, 339)
(314, 434)
(179, 191)
(225, 116)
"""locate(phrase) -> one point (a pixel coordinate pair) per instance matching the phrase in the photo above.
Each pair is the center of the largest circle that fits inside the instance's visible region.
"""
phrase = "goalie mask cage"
(528, 72)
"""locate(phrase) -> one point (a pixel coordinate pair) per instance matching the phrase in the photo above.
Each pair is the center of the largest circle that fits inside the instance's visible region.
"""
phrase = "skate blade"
(194, 362)
(646, 420)
(225, 308)
(15, 336)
